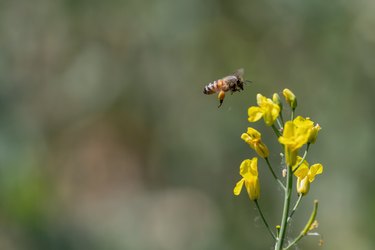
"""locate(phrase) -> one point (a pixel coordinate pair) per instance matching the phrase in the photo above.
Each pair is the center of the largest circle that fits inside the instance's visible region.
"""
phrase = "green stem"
(287, 196)
(277, 132)
(292, 115)
(307, 227)
(295, 207)
(279, 124)
(303, 158)
(273, 173)
(282, 119)
(264, 220)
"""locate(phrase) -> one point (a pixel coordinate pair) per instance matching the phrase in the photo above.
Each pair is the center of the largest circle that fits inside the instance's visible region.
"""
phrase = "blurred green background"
(107, 141)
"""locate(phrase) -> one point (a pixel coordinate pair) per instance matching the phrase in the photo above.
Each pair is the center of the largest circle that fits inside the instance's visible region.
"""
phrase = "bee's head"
(239, 75)
(241, 82)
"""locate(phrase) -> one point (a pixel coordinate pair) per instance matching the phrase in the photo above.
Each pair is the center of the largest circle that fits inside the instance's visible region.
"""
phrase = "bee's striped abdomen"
(212, 87)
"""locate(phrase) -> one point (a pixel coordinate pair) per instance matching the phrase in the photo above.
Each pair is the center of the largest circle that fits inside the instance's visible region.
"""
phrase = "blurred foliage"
(107, 142)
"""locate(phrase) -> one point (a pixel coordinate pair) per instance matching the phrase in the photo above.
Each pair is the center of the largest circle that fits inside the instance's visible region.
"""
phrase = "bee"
(233, 83)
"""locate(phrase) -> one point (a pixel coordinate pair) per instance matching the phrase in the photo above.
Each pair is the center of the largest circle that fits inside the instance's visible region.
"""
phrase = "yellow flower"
(306, 123)
(297, 133)
(249, 173)
(293, 138)
(267, 109)
(314, 133)
(290, 98)
(306, 175)
(253, 138)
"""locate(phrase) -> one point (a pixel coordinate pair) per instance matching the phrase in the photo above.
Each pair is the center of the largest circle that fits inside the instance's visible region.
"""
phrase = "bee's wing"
(239, 73)
(230, 79)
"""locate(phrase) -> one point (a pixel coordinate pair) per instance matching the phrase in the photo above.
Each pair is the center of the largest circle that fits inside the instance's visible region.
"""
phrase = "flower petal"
(261, 99)
(254, 167)
(302, 171)
(255, 113)
(245, 167)
(299, 159)
(253, 133)
(237, 189)
(253, 188)
(288, 132)
(246, 138)
(315, 170)
(299, 121)
(270, 111)
(294, 137)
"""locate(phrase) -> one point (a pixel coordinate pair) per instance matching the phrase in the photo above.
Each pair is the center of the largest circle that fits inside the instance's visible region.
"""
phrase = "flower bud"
(261, 149)
(314, 133)
(253, 138)
(303, 185)
(290, 98)
(276, 100)
(260, 99)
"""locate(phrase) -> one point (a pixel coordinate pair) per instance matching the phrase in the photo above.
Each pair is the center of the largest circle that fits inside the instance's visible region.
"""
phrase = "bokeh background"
(107, 142)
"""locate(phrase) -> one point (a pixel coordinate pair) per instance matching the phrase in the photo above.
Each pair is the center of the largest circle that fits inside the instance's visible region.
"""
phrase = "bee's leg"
(234, 90)
(221, 97)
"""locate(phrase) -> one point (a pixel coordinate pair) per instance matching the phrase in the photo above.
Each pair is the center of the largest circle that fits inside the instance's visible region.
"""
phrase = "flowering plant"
(293, 135)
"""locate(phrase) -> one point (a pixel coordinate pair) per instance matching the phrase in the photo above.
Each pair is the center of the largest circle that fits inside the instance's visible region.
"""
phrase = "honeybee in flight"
(232, 82)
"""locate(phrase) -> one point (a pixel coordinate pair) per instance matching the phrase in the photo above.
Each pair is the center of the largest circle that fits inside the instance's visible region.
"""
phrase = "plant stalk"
(273, 173)
(264, 220)
(287, 196)
(292, 115)
(295, 207)
(307, 227)
(303, 157)
(277, 132)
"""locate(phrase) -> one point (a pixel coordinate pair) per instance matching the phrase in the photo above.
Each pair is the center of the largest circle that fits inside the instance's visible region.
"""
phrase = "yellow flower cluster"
(295, 134)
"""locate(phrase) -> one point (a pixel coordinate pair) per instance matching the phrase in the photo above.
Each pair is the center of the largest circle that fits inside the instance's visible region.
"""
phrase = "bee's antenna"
(248, 81)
